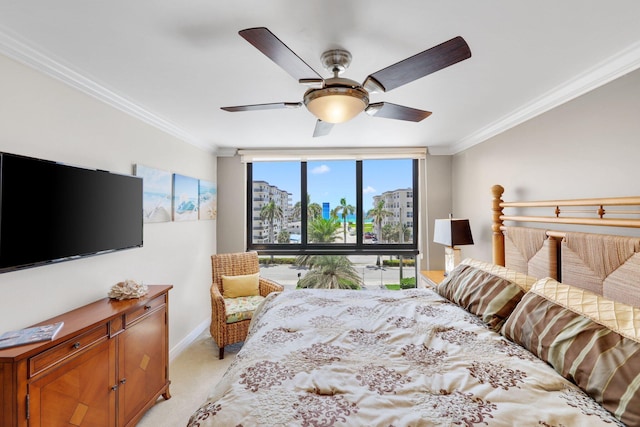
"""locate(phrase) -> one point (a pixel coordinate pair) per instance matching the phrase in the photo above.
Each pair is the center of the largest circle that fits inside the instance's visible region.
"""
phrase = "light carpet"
(193, 374)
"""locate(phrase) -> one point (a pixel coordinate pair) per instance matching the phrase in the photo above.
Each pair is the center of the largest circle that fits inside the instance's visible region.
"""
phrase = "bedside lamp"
(451, 233)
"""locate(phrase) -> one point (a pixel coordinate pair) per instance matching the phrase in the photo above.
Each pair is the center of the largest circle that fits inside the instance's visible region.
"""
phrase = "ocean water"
(352, 218)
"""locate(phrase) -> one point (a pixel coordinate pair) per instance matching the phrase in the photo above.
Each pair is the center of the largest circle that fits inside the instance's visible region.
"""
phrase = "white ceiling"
(175, 63)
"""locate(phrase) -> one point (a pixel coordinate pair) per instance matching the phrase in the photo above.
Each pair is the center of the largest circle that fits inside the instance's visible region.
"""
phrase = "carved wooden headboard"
(603, 263)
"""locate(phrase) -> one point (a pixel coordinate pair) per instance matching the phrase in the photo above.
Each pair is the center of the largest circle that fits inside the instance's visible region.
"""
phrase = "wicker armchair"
(232, 264)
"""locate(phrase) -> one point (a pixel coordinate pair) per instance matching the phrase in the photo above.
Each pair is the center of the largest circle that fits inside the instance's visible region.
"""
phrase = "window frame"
(358, 248)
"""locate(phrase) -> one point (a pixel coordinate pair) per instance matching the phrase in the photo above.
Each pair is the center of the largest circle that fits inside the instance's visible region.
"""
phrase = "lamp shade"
(336, 104)
(452, 232)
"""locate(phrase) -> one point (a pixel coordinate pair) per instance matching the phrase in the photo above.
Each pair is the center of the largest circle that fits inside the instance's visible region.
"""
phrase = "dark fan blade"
(266, 42)
(398, 112)
(272, 106)
(418, 66)
(322, 128)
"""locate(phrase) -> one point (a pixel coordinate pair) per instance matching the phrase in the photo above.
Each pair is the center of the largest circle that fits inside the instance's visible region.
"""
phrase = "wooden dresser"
(106, 367)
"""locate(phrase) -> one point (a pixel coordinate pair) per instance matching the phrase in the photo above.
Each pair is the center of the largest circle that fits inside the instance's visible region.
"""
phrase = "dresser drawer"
(57, 354)
(116, 326)
(148, 307)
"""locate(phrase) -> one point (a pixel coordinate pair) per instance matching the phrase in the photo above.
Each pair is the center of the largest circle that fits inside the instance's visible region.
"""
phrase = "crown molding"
(612, 68)
(22, 52)
(306, 154)
(226, 151)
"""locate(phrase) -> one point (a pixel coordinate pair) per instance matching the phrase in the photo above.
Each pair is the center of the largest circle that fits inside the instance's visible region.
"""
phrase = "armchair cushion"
(241, 308)
(243, 285)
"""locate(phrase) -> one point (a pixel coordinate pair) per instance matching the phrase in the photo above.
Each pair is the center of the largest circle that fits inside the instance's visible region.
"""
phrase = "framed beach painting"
(185, 198)
(208, 200)
(156, 193)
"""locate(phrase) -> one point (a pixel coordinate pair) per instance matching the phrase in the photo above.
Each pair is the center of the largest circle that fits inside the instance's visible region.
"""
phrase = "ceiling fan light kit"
(336, 105)
(336, 99)
(339, 101)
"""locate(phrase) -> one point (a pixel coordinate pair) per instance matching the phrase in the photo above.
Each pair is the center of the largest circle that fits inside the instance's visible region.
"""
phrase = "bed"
(492, 345)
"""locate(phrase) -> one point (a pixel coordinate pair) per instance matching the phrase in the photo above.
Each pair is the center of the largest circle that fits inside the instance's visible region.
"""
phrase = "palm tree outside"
(284, 236)
(323, 230)
(296, 211)
(396, 233)
(344, 210)
(271, 212)
(331, 272)
(404, 232)
(314, 210)
(377, 214)
(389, 233)
(320, 230)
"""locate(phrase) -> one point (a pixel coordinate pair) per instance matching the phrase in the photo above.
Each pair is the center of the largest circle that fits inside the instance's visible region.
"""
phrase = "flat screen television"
(52, 212)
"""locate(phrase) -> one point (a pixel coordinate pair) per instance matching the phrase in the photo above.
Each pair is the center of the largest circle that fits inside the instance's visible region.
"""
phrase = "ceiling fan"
(337, 99)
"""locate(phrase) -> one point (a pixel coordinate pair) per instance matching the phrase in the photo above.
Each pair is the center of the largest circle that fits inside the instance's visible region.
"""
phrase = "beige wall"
(44, 118)
(438, 205)
(588, 147)
(232, 193)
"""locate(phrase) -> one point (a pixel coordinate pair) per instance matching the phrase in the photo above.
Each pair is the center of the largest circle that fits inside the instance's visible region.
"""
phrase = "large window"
(333, 207)
(275, 207)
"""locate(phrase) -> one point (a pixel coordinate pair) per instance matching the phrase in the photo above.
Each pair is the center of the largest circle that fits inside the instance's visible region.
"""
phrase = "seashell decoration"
(127, 290)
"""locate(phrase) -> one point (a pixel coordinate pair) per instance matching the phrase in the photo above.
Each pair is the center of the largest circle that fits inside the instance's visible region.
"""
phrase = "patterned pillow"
(241, 308)
(520, 279)
(490, 294)
(587, 338)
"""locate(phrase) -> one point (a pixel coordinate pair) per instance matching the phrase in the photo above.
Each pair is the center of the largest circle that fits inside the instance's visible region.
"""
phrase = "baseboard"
(190, 338)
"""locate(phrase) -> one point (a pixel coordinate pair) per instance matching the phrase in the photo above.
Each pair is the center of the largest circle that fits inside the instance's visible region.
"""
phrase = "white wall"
(42, 117)
(588, 147)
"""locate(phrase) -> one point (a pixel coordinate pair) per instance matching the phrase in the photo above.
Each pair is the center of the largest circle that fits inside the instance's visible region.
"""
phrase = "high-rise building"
(400, 204)
(263, 193)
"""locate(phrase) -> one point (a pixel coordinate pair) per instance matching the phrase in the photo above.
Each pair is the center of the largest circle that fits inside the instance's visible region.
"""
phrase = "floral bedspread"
(386, 358)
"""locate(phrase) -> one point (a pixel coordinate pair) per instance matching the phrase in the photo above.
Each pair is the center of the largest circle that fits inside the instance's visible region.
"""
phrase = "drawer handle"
(147, 307)
(76, 345)
(122, 381)
(114, 387)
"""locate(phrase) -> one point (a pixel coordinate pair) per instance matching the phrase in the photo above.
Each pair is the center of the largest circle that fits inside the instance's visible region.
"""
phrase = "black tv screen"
(51, 212)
